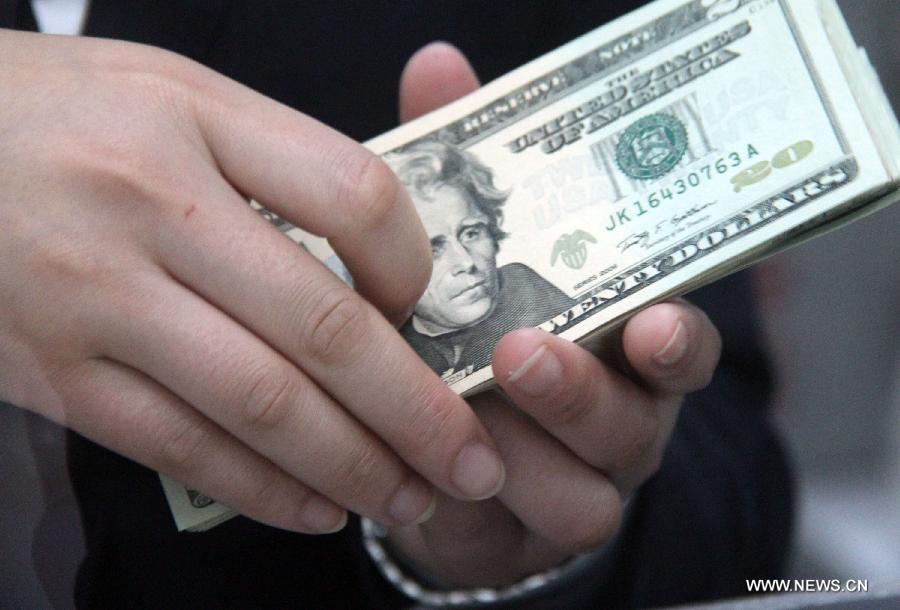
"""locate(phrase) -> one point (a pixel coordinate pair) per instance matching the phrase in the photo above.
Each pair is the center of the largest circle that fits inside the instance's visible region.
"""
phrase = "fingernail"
(429, 512)
(675, 347)
(413, 503)
(539, 374)
(478, 472)
(322, 516)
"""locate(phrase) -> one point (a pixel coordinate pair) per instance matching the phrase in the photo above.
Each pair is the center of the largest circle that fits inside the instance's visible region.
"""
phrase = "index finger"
(322, 181)
(329, 185)
(227, 253)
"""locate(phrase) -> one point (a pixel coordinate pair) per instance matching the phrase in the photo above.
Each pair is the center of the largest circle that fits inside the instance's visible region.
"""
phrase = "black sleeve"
(719, 510)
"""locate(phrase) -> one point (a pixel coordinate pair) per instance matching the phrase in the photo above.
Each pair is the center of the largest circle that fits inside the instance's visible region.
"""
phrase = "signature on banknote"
(674, 224)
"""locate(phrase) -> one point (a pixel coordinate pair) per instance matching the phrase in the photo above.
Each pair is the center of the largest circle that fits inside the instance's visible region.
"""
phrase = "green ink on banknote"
(571, 247)
(651, 146)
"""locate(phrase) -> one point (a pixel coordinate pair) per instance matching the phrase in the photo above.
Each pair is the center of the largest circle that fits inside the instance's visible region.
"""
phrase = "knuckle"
(181, 445)
(573, 404)
(110, 166)
(268, 401)
(358, 470)
(71, 261)
(430, 418)
(122, 171)
(369, 189)
(638, 446)
(336, 325)
(145, 72)
(269, 500)
(173, 68)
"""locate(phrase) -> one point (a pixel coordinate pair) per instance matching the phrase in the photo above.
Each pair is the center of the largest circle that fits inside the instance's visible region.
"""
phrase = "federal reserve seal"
(651, 146)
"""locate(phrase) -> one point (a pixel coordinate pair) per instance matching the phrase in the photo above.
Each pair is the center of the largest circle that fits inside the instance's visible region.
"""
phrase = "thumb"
(435, 75)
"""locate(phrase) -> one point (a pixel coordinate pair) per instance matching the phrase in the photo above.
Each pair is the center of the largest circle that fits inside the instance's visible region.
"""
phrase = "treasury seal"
(651, 146)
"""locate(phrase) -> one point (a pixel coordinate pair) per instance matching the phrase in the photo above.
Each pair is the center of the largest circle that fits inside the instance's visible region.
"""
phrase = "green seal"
(651, 146)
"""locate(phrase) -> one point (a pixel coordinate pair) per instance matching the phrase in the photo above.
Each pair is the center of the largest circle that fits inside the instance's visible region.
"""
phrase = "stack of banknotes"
(653, 155)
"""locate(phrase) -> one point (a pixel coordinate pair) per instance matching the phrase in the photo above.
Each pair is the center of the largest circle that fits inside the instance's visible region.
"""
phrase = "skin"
(584, 436)
(148, 308)
(463, 284)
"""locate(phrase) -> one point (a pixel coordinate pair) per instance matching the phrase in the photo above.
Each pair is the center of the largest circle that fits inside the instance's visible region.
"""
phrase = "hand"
(580, 436)
(146, 306)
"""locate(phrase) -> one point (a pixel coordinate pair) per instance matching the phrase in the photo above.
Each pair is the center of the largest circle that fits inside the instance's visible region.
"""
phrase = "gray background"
(831, 313)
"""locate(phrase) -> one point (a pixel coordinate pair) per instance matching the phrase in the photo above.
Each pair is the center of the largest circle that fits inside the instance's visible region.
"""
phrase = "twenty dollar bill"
(655, 154)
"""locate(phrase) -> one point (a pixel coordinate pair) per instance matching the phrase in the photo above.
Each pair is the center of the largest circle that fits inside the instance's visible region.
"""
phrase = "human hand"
(146, 306)
(580, 437)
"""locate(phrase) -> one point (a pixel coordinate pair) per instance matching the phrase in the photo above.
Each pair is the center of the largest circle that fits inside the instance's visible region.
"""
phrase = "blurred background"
(831, 316)
(831, 313)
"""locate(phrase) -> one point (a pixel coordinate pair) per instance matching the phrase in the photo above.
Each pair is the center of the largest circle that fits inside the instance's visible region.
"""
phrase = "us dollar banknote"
(655, 154)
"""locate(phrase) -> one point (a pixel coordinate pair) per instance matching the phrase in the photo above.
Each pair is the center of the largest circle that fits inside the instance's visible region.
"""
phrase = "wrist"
(472, 559)
(564, 581)
(423, 587)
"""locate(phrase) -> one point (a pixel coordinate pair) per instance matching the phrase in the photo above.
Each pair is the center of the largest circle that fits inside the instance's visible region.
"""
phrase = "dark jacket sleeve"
(719, 509)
